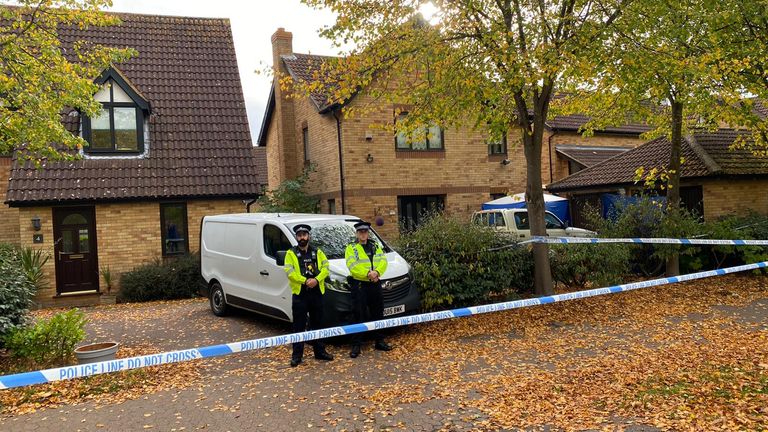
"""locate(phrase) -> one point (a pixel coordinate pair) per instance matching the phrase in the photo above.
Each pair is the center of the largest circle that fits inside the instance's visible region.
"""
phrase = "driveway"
(664, 358)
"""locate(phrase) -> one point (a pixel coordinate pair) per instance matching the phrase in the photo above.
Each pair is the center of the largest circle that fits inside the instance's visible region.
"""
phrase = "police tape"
(122, 364)
(680, 241)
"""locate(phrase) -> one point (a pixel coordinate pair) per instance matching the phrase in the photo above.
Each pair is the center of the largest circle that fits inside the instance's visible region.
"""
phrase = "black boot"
(295, 361)
(383, 346)
(323, 355)
(355, 351)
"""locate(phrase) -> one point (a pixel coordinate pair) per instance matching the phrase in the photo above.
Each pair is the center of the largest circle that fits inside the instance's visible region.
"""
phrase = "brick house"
(454, 169)
(715, 180)
(172, 145)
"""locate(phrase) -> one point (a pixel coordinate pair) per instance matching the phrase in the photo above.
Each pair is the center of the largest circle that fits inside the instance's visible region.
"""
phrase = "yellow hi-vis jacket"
(359, 264)
(292, 268)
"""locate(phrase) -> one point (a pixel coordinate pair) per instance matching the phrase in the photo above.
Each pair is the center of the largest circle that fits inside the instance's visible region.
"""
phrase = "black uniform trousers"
(367, 304)
(308, 302)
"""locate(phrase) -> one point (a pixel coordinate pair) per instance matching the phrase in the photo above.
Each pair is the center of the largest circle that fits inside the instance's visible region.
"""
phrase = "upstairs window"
(497, 146)
(422, 138)
(119, 126)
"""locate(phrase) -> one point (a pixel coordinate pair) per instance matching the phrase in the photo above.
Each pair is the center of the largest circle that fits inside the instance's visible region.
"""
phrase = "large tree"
(41, 77)
(658, 67)
(491, 64)
(742, 61)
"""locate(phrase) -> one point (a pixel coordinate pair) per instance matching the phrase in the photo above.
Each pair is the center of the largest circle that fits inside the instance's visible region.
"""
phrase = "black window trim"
(139, 103)
(503, 143)
(163, 235)
(426, 138)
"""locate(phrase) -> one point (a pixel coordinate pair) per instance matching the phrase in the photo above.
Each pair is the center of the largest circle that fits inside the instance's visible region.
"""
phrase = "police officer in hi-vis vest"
(367, 263)
(307, 269)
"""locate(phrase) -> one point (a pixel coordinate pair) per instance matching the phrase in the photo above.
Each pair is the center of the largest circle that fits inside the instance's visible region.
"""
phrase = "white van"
(241, 261)
(515, 223)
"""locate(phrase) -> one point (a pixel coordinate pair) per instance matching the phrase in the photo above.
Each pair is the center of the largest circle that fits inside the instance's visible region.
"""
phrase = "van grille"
(395, 289)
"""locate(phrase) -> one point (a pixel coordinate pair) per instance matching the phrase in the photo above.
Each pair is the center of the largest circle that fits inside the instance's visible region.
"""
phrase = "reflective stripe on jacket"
(292, 268)
(359, 264)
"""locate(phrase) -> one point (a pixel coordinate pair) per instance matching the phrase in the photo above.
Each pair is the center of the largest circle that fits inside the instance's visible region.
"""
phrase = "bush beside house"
(16, 290)
(48, 342)
(456, 263)
(174, 279)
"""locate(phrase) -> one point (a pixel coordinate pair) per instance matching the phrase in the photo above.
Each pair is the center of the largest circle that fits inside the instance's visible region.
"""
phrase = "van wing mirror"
(281, 258)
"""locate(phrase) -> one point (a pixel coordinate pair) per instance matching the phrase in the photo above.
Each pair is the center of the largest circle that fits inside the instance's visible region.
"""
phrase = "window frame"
(305, 143)
(502, 142)
(427, 203)
(427, 141)
(264, 242)
(113, 78)
(163, 234)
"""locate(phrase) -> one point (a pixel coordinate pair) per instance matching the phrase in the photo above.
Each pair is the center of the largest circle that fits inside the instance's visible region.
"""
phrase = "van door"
(522, 224)
(272, 282)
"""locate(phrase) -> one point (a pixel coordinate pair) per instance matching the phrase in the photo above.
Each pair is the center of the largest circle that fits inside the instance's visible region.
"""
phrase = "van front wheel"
(218, 303)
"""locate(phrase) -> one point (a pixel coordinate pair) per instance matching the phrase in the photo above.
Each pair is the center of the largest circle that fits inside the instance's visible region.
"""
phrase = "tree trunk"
(673, 186)
(534, 196)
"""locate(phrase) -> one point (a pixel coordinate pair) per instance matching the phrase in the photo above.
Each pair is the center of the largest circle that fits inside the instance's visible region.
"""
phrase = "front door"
(74, 230)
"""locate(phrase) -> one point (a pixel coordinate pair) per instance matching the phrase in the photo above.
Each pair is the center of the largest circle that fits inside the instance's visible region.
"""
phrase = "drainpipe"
(250, 203)
(549, 147)
(341, 161)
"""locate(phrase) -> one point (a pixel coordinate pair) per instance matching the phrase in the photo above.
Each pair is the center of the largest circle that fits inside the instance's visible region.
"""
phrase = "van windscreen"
(333, 238)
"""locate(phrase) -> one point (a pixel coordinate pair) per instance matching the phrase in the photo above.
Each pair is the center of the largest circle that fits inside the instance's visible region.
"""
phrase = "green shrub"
(174, 279)
(48, 342)
(753, 226)
(576, 265)
(32, 261)
(454, 265)
(16, 290)
(649, 218)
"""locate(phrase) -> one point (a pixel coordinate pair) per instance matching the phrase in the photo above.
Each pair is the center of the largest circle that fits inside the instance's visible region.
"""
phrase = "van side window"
(553, 222)
(274, 240)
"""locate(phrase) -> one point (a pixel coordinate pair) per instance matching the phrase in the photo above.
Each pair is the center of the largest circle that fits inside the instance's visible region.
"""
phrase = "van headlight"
(338, 285)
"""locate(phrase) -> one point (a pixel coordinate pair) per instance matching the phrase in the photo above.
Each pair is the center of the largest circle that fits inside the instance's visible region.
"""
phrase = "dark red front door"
(76, 266)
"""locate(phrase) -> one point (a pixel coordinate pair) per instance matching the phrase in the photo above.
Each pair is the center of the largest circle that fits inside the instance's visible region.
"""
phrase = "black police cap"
(362, 225)
(302, 228)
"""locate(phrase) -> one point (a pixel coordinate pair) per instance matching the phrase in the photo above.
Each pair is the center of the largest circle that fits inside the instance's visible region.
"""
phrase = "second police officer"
(367, 263)
(307, 269)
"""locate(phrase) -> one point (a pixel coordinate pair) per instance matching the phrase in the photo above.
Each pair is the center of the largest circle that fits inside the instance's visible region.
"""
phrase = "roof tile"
(187, 69)
(704, 154)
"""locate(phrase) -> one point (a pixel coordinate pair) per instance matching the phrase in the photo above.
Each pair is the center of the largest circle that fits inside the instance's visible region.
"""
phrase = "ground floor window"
(413, 208)
(331, 206)
(692, 198)
(173, 222)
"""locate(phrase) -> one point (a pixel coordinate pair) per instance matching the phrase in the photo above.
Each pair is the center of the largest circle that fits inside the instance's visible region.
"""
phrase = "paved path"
(258, 391)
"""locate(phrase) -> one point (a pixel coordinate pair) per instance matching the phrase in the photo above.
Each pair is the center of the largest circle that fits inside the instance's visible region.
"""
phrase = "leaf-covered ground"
(690, 356)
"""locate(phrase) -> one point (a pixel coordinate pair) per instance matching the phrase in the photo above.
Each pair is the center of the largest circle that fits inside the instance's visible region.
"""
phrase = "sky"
(253, 23)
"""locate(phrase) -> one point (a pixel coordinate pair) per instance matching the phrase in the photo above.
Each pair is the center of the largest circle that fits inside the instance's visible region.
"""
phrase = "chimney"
(285, 120)
(282, 44)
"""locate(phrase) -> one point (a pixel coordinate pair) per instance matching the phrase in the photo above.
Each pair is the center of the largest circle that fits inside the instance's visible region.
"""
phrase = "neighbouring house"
(715, 179)
(171, 145)
(363, 170)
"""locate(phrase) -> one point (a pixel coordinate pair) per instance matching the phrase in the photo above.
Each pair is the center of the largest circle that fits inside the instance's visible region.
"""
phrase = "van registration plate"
(394, 310)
